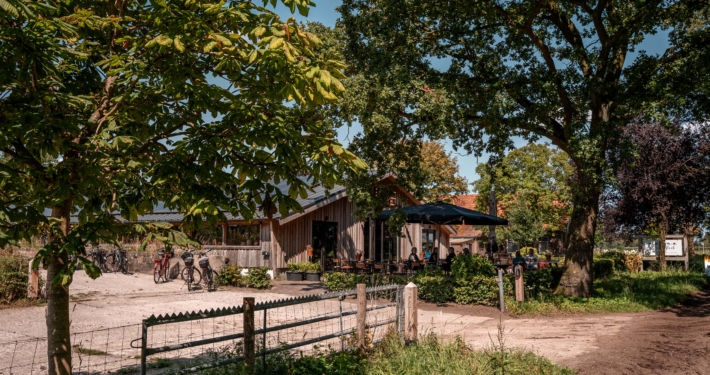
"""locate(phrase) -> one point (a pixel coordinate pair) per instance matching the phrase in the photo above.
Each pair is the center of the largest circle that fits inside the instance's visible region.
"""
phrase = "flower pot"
(310, 253)
(358, 257)
(312, 276)
(294, 276)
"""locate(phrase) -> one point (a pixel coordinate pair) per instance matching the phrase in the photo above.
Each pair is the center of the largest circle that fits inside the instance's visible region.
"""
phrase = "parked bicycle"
(191, 276)
(98, 256)
(118, 260)
(161, 266)
(209, 276)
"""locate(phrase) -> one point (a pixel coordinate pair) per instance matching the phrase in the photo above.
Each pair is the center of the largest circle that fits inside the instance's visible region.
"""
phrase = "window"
(543, 244)
(209, 235)
(428, 236)
(243, 235)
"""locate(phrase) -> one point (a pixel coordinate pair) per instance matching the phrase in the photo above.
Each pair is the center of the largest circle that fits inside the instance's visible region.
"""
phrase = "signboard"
(707, 265)
(674, 248)
(651, 248)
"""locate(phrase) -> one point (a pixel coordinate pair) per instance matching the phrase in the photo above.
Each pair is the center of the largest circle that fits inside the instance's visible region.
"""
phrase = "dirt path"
(676, 341)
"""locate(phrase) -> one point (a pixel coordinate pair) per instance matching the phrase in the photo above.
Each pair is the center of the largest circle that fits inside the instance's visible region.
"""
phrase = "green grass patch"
(620, 292)
(392, 356)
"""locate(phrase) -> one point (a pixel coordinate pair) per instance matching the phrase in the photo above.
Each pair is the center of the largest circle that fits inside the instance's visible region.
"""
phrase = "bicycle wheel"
(156, 274)
(215, 281)
(196, 278)
(124, 266)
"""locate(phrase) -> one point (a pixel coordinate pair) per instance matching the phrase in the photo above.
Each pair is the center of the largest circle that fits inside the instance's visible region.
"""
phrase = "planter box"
(294, 276)
(312, 276)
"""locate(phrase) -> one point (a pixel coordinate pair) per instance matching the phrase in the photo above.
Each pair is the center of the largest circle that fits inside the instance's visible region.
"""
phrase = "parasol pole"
(438, 250)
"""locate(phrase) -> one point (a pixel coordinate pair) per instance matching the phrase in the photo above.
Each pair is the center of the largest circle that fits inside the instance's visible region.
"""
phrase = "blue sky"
(325, 13)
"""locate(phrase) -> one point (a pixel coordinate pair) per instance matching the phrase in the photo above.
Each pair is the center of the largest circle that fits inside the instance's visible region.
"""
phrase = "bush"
(618, 257)
(13, 278)
(467, 266)
(258, 278)
(480, 290)
(304, 267)
(231, 275)
(337, 281)
(434, 286)
(313, 268)
(544, 280)
(603, 268)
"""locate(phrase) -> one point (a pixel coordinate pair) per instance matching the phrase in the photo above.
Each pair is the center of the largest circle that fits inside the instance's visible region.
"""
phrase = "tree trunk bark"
(662, 240)
(58, 337)
(577, 278)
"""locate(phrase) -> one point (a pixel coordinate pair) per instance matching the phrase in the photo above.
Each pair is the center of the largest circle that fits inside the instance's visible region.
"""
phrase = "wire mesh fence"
(93, 352)
(188, 342)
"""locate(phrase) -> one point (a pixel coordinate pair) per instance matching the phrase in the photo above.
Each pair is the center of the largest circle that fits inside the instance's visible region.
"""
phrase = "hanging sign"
(674, 248)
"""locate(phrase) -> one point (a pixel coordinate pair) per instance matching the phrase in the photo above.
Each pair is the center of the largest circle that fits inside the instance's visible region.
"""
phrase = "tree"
(113, 106)
(540, 172)
(557, 70)
(663, 185)
(526, 226)
(442, 173)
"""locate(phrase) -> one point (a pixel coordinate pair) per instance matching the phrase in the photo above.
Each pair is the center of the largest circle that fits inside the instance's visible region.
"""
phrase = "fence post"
(33, 285)
(361, 316)
(249, 352)
(500, 290)
(410, 312)
(519, 284)
(144, 346)
(400, 310)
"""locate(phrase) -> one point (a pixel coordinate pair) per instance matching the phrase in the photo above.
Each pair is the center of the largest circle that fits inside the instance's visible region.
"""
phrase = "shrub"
(336, 281)
(603, 268)
(13, 278)
(619, 258)
(313, 268)
(231, 275)
(480, 290)
(544, 280)
(434, 286)
(258, 278)
(303, 267)
(467, 266)
(633, 263)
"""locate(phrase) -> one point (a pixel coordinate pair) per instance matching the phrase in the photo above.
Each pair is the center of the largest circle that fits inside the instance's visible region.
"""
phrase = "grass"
(622, 292)
(392, 356)
(87, 351)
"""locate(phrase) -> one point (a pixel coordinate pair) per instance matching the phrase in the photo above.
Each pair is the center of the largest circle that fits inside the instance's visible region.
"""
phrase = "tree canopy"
(538, 171)
(483, 71)
(114, 106)
(663, 186)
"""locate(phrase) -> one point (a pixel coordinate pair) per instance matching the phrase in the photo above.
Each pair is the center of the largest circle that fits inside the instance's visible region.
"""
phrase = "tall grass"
(621, 292)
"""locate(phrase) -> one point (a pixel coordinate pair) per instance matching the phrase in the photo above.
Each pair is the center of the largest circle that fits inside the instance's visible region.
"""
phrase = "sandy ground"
(676, 341)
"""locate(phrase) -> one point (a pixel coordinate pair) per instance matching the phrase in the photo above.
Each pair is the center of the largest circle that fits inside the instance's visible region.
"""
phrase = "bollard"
(519, 284)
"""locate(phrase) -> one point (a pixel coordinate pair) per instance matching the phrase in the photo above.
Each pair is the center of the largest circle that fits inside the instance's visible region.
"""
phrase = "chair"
(346, 266)
(379, 268)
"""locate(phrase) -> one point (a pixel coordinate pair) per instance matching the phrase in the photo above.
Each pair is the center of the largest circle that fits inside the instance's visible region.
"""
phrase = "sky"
(325, 13)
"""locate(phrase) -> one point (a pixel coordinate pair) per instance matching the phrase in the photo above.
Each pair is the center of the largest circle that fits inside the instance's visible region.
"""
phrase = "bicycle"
(209, 276)
(188, 273)
(161, 266)
(98, 256)
(118, 260)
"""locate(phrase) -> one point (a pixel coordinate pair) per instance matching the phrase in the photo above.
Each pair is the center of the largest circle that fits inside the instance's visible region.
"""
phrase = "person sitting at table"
(466, 251)
(432, 259)
(518, 259)
(531, 260)
(449, 259)
(413, 257)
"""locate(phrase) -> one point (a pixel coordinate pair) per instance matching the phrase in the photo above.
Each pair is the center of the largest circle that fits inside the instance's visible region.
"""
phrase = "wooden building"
(327, 224)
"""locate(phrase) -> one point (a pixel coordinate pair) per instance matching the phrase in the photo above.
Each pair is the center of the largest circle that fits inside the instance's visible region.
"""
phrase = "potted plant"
(295, 272)
(313, 272)
(358, 254)
(309, 250)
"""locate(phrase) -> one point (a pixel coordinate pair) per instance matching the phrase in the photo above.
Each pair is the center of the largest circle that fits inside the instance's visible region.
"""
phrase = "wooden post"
(361, 316)
(500, 290)
(144, 347)
(249, 351)
(399, 311)
(519, 284)
(410, 312)
(33, 284)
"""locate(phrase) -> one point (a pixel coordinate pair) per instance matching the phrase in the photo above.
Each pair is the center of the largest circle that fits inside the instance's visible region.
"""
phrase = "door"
(325, 241)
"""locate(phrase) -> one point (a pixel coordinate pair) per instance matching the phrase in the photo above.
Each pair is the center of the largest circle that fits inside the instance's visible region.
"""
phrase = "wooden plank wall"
(248, 256)
(290, 239)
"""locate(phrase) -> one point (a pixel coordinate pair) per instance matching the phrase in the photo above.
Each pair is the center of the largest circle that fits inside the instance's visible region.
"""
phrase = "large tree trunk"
(58, 337)
(577, 279)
